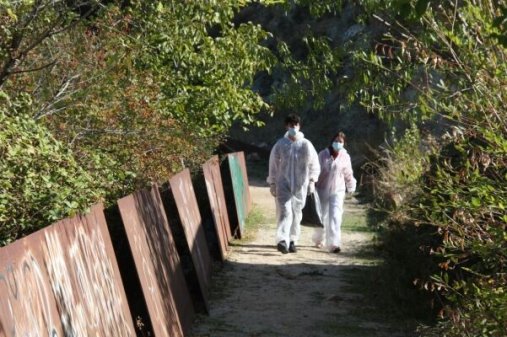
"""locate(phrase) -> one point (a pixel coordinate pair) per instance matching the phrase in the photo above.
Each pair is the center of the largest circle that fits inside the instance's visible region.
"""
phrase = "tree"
(154, 86)
(28, 25)
(125, 93)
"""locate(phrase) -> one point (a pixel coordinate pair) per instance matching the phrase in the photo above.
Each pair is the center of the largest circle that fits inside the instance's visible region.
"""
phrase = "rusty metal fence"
(157, 262)
(216, 196)
(63, 281)
(187, 226)
(69, 279)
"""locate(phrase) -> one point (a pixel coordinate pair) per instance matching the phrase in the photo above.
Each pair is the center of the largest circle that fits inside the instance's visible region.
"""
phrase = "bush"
(436, 64)
(40, 181)
(397, 185)
(465, 197)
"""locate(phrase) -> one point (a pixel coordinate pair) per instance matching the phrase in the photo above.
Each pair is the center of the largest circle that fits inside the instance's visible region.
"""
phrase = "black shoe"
(336, 250)
(282, 247)
(292, 247)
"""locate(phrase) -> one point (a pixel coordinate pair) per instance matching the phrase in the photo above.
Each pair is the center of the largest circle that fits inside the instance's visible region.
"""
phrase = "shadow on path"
(259, 292)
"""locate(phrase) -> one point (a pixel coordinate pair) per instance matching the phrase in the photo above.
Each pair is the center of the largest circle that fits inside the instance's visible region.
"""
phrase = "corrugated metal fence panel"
(240, 187)
(63, 281)
(157, 262)
(216, 196)
(188, 210)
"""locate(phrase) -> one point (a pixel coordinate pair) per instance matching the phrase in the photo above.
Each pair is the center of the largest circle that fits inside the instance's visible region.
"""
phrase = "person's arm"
(314, 164)
(350, 181)
(274, 162)
(322, 159)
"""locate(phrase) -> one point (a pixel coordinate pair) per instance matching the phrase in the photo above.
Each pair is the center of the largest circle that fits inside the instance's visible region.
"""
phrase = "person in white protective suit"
(293, 171)
(336, 178)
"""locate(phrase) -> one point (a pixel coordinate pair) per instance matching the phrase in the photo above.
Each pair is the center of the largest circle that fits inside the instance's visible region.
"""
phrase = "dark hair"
(339, 134)
(292, 119)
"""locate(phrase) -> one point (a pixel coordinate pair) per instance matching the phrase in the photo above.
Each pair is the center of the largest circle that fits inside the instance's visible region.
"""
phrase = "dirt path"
(260, 292)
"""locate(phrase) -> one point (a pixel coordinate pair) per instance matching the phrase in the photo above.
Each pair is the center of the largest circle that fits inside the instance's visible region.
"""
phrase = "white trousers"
(332, 213)
(288, 215)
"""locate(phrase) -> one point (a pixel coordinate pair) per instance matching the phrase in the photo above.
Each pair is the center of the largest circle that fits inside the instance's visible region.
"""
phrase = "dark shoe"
(336, 250)
(292, 247)
(282, 247)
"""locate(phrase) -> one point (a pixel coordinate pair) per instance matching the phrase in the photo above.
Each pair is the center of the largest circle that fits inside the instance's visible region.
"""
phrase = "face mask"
(337, 146)
(293, 131)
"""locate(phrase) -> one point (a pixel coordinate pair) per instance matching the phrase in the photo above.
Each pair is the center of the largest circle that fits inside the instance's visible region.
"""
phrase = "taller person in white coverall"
(336, 178)
(293, 171)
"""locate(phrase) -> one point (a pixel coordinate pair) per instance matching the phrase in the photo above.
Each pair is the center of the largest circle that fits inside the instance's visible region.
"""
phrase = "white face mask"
(293, 131)
(337, 146)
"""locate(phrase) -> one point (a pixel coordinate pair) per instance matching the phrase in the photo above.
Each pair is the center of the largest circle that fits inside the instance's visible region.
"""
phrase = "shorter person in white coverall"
(293, 171)
(336, 178)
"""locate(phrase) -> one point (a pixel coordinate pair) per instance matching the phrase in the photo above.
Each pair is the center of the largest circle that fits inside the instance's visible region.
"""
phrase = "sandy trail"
(259, 292)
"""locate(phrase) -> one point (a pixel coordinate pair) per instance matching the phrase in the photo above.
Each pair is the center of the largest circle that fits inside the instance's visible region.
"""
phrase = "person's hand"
(349, 194)
(311, 187)
(272, 189)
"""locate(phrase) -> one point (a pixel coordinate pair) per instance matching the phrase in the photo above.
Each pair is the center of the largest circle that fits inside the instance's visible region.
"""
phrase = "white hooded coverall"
(335, 178)
(292, 164)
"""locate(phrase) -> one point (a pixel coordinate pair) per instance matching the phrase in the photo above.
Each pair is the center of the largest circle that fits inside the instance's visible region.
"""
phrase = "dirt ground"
(260, 292)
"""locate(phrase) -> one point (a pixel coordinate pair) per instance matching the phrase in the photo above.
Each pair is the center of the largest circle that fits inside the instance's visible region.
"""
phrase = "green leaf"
(160, 7)
(476, 202)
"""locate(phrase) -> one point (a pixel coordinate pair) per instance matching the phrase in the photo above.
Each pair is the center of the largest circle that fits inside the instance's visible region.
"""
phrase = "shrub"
(40, 181)
(438, 64)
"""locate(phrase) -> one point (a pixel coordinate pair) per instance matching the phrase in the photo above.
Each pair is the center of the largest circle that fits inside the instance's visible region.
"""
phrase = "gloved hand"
(311, 187)
(272, 189)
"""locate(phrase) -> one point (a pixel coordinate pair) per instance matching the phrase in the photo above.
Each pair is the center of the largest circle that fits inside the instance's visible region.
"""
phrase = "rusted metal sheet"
(157, 262)
(188, 210)
(215, 191)
(240, 188)
(63, 281)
